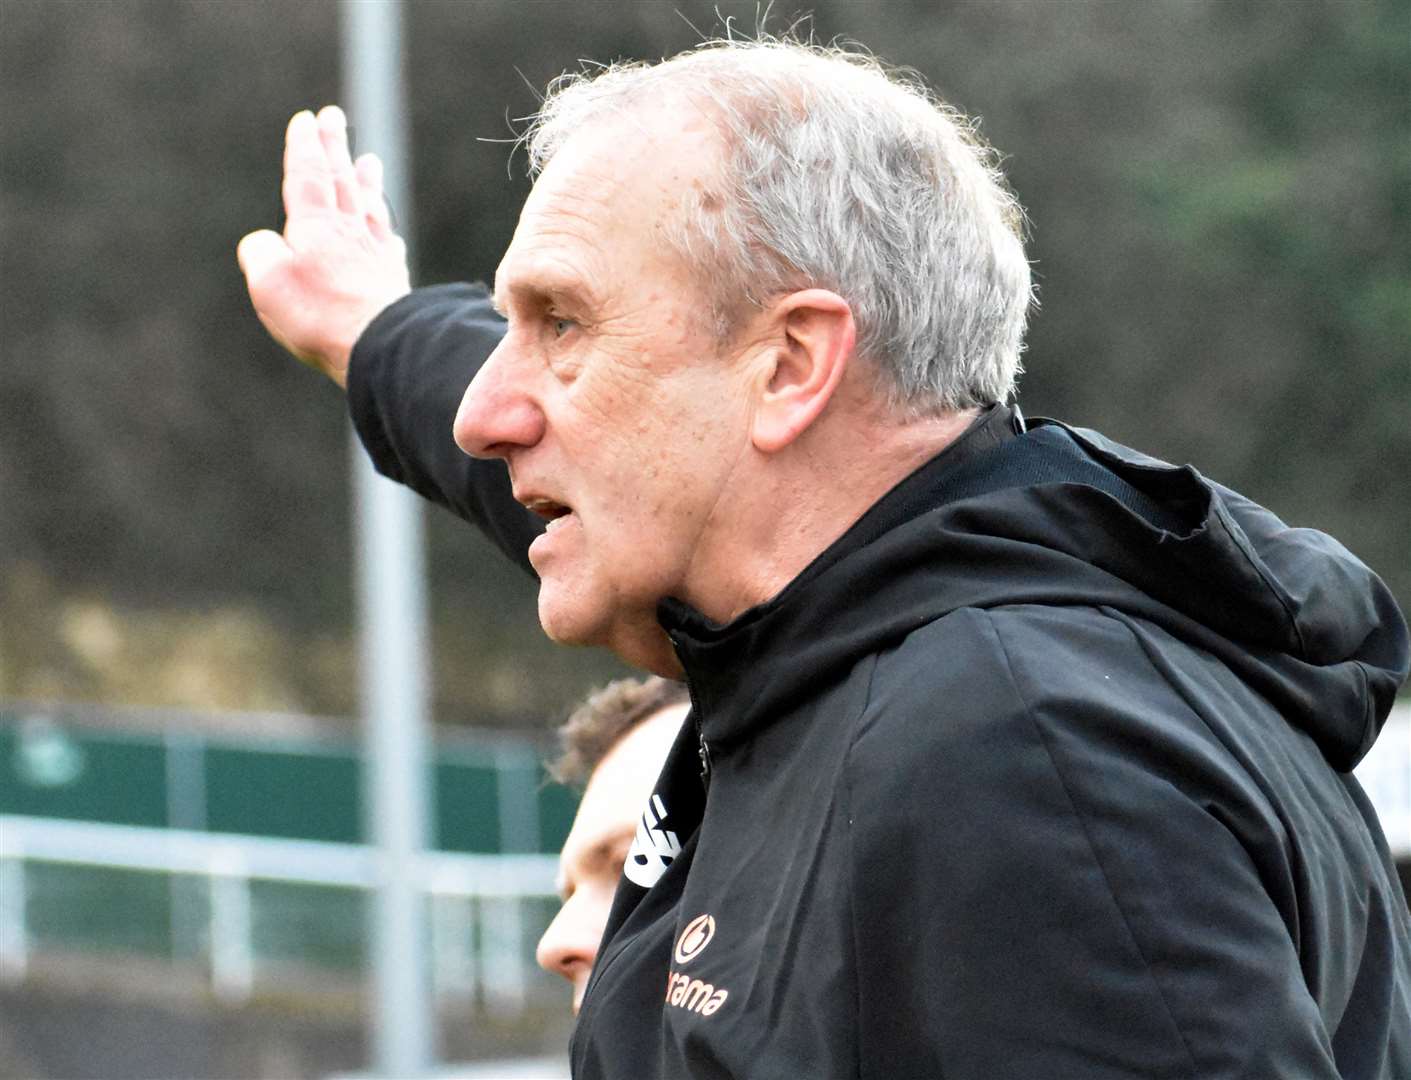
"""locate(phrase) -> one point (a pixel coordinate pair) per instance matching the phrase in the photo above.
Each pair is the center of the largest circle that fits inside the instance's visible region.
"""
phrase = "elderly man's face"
(591, 862)
(619, 414)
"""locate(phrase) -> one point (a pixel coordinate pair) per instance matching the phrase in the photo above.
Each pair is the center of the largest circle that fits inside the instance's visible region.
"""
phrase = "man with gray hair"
(1012, 752)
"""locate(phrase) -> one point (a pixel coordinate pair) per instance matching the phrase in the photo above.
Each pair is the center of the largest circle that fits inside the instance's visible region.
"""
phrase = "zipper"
(703, 749)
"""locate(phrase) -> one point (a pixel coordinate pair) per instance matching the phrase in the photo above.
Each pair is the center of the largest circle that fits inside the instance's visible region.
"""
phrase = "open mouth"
(550, 511)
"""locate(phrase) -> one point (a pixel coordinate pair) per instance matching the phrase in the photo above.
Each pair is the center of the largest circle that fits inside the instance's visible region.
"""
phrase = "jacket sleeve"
(406, 378)
(1056, 886)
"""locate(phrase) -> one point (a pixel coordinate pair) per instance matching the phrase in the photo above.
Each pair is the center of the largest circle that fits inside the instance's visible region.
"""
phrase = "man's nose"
(569, 947)
(497, 415)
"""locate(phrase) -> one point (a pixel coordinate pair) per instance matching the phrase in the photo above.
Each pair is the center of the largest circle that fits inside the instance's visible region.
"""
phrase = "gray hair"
(840, 174)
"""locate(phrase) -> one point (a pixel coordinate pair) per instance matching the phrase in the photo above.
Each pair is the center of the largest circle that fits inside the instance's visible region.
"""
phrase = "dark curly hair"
(605, 716)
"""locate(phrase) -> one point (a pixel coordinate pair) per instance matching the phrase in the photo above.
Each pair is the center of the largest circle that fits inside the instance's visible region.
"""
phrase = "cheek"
(655, 452)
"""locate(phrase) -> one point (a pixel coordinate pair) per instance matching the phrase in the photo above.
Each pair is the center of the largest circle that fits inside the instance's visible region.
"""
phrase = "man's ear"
(807, 367)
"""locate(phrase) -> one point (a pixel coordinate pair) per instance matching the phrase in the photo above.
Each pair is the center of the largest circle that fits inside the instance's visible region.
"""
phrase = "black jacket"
(1041, 771)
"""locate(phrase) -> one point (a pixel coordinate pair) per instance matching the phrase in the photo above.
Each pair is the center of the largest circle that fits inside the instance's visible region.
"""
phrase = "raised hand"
(338, 263)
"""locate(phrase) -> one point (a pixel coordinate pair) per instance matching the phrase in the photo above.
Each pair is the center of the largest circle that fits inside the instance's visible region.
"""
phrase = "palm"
(338, 262)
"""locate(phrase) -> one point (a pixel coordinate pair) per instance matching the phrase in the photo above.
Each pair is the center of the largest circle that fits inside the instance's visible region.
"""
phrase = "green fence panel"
(486, 798)
(50, 770)
(263, 792)
(467, 807)
(557, 805)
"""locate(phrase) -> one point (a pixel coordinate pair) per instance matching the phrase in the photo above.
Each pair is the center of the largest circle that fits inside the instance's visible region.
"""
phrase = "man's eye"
(563, 326)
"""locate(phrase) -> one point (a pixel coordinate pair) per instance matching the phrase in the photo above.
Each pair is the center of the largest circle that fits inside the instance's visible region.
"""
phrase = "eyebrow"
(543, 289)
(603, 851)
(601, 854)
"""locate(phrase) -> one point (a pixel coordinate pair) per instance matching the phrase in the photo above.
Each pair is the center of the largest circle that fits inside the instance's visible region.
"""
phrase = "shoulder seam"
(1087, 834)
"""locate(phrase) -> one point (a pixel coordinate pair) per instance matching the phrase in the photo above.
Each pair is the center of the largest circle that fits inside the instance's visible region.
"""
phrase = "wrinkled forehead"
(642, 114)
(654, 152)
(609, 204)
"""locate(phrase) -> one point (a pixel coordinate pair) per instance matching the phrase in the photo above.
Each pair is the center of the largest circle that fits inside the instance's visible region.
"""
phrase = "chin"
(567, 620)
(637, 640)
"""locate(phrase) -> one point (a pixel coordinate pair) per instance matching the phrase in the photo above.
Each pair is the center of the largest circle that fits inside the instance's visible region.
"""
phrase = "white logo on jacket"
(653, 848)
(694, 938)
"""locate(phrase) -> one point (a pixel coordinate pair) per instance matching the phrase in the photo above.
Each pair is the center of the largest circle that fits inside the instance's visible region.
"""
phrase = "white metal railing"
(459, 887)
(464, 890)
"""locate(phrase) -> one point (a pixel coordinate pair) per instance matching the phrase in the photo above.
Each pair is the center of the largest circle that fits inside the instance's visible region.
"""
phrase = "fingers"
(333, 135)
(259, 253)
(308, 177)
(369, 170)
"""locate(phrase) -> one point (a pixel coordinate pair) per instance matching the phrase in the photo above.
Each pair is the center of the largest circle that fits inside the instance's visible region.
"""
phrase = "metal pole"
(392, 602)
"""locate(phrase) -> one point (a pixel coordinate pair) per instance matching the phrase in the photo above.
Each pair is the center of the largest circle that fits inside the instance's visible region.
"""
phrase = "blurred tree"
(152, 442)
(1221, 198)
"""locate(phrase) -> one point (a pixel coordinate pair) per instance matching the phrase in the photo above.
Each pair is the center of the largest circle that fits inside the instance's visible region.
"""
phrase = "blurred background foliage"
(1221, 203)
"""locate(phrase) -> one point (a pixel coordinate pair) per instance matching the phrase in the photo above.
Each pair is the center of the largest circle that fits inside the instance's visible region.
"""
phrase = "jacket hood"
(1059, 516)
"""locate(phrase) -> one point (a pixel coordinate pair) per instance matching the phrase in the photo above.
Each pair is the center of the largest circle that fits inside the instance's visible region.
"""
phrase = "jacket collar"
(723, 661)
(1059, 517)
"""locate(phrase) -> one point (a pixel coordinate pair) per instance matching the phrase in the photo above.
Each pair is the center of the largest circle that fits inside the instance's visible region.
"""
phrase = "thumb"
(260, 252)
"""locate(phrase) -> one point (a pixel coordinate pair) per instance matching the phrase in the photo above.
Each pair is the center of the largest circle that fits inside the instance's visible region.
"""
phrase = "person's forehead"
(636, 758)
(615, 181)
(568, 233)
(645, 137)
